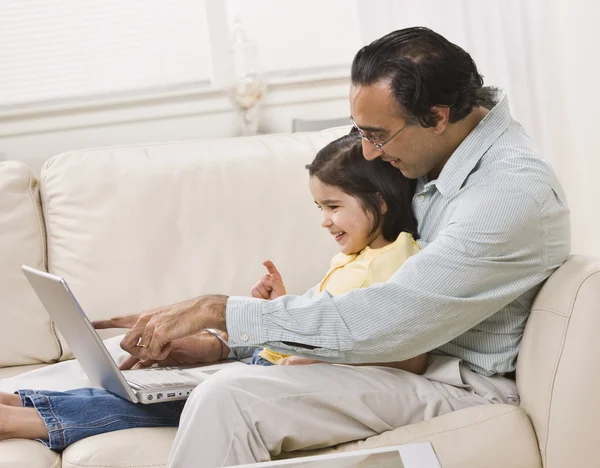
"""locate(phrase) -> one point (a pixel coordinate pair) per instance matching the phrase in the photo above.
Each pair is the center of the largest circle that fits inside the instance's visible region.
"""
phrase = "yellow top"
(348, 272)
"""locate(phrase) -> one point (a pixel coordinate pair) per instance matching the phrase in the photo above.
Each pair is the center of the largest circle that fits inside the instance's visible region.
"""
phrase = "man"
(493, 225)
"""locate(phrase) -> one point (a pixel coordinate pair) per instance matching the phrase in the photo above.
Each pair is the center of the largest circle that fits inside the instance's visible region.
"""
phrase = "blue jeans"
(71, 416)
(257, 360)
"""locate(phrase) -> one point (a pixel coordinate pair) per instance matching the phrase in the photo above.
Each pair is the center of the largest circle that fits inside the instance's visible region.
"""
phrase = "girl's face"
(345, 218)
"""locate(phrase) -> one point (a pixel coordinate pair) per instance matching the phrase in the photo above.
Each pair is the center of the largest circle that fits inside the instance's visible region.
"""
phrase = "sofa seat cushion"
(468, 438)
(6, 372)
(143, 447)
(26, 335)
(27, 453)
(486, 436)
(60, 376)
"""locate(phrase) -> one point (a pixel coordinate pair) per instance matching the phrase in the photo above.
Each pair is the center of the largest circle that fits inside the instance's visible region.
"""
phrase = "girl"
(366, 208)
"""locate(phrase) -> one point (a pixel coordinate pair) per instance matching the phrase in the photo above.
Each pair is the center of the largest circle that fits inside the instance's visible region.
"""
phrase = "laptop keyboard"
(159, 378)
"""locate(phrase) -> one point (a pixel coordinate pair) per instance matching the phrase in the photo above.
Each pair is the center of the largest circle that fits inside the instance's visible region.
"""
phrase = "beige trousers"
(248, 415)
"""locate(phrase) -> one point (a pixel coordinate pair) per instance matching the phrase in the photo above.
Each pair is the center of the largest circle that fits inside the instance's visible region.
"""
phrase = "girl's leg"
(17, 422)
(70, 416)
(10, 399)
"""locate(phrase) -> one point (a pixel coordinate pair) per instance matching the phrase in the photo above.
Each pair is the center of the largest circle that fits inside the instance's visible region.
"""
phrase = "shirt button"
(422, 196)
(244, 337)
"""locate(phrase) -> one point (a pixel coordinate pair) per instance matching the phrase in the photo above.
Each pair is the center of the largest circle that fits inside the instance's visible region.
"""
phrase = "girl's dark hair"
(425, 70)
(341, 164)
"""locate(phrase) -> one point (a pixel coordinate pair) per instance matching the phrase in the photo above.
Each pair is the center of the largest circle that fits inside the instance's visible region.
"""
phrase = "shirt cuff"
(243, 317)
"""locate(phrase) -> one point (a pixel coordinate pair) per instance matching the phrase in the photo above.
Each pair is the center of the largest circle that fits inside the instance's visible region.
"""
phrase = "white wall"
(573, 117)
(33, 138)
(307, 73)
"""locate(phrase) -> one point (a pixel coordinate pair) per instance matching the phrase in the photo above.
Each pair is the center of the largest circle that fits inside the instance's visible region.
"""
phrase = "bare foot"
(10, 399)
(21, 423)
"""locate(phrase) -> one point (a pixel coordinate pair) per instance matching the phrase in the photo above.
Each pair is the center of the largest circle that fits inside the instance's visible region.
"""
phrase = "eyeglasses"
(380, 144)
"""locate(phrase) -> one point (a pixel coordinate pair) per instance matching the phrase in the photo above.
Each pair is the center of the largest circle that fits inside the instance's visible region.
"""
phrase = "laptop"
(150, 385)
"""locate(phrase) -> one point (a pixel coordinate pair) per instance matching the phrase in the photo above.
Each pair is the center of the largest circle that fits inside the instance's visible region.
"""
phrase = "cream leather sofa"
(139, 226)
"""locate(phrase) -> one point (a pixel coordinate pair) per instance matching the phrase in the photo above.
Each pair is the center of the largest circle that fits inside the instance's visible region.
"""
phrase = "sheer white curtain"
(501, 35)
(544, 54)
(573, 120)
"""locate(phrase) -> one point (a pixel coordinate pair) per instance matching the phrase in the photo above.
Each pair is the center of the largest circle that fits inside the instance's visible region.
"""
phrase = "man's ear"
(382, 204)
(442, 115)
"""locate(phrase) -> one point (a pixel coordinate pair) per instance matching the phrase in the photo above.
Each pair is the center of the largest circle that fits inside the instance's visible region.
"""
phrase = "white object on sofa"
(154, 224)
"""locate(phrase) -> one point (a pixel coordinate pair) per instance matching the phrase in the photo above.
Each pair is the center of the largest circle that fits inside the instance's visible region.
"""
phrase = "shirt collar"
(471, 150)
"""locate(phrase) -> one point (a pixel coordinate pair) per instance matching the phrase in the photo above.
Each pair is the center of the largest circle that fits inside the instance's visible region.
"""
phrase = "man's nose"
(369, 151)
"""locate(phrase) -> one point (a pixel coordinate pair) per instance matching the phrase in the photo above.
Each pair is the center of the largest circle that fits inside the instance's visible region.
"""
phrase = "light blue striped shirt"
(493, 227)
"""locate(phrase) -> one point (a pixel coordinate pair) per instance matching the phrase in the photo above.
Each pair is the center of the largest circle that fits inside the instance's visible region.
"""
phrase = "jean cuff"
(41, 403)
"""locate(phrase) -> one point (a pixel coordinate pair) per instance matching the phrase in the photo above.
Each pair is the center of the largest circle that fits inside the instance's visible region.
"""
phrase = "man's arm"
(240, 352)
(495, 247)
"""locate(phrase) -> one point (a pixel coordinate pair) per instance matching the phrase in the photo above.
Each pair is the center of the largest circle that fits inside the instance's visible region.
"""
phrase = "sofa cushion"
(27, 453)
(26, 334)
(468, 438)
(6, 372)
(556, 371)
(136, 227)
(131, 448)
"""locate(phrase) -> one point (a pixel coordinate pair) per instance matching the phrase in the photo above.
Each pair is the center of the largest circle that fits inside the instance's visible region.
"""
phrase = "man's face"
(416, 151)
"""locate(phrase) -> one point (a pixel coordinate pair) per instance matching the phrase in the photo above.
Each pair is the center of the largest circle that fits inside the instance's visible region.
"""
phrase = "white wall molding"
(34, 136)
(141, 107)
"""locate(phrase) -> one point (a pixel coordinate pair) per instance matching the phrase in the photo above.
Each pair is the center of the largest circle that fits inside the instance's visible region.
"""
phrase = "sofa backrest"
(557, 374)
(26, 333)
(135, 227)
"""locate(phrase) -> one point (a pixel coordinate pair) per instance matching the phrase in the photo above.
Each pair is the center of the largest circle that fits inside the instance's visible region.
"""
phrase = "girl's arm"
(415, 365)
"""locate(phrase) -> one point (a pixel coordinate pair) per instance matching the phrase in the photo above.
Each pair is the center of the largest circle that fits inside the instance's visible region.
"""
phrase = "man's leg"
(242, 416)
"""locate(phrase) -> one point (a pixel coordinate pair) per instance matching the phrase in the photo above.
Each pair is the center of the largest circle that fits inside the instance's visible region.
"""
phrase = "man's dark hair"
(341, 164)
(425, 70)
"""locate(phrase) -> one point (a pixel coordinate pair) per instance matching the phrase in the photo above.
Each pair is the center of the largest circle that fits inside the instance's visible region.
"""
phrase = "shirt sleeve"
(241, 352)
(491, 251)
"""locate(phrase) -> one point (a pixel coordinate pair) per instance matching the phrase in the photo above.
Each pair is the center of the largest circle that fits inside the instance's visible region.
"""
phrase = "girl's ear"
(382, 204)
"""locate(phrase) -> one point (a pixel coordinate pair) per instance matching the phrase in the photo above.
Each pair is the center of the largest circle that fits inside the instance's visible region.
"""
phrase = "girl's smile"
(345, 218)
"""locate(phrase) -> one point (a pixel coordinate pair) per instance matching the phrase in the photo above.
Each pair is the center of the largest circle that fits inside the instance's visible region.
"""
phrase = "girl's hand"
(270, 286)
(299, 361)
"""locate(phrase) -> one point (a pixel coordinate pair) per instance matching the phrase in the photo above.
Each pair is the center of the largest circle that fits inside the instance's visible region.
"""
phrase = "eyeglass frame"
(380, 145)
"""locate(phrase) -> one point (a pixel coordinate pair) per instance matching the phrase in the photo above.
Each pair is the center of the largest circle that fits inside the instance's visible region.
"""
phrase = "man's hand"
(153, 333)
(202, 348)
(270, 286)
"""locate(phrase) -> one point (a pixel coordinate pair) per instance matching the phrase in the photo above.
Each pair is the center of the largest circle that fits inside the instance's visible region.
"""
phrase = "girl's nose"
(326, 221)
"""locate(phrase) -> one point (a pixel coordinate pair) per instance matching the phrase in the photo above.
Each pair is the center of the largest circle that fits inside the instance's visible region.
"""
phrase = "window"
(56, 51)
(300, 37)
